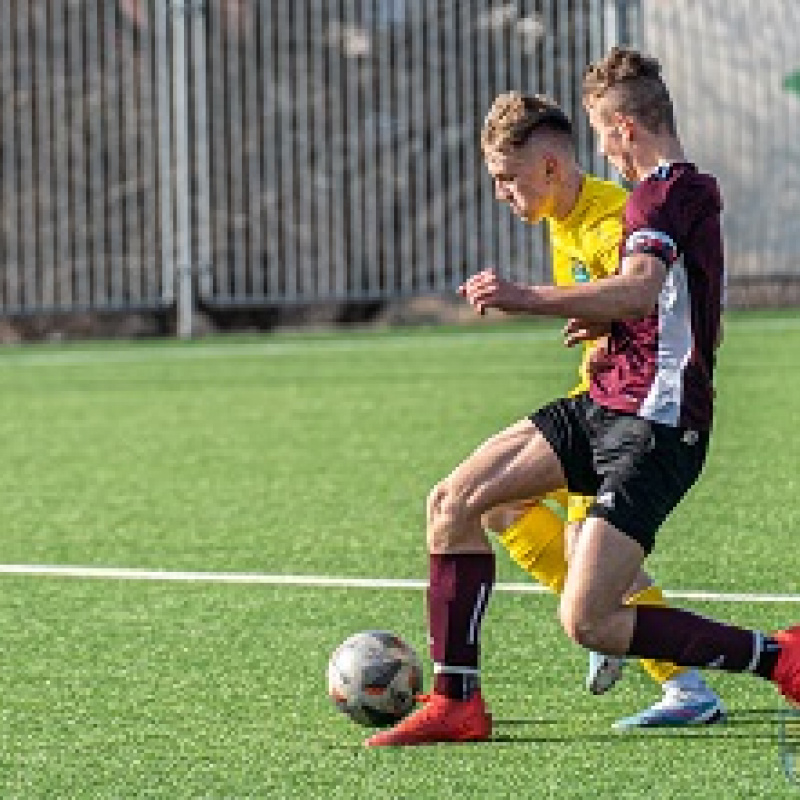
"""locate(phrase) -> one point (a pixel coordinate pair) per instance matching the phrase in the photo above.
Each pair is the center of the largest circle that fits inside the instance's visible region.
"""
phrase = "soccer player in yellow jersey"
(529, 152)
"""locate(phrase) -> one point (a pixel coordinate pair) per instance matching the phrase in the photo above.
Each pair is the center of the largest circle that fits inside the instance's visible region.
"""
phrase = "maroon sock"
(458, 591)
(672, 634)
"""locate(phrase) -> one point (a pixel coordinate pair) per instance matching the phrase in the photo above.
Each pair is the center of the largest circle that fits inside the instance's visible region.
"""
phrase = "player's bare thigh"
(642, 581)
(604, 564)
(516, 464)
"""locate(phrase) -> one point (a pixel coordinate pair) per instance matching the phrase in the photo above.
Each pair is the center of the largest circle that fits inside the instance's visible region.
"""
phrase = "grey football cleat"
(604, 672)
(678, 708)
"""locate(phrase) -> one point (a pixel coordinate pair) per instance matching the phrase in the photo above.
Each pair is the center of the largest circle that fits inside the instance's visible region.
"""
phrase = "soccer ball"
(373, 677)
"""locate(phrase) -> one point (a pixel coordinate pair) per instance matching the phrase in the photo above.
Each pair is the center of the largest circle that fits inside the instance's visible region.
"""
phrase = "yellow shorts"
(578, 507)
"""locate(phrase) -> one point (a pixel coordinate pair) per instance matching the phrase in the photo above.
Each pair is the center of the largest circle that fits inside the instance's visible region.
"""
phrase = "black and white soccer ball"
(373, 677)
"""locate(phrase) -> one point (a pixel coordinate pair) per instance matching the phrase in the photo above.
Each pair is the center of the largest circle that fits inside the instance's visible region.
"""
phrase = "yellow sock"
(536, 542)
(659, 671)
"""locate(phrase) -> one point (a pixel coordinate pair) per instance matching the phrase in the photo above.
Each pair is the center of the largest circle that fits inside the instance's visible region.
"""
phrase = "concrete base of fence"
(426, 310)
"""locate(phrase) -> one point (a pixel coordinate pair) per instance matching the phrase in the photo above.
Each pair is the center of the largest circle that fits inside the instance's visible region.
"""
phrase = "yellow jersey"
(585, 244)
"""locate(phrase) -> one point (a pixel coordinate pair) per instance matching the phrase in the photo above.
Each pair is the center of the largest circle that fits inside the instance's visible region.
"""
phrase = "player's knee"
(492, 521)
(581, 623)
(446, 516)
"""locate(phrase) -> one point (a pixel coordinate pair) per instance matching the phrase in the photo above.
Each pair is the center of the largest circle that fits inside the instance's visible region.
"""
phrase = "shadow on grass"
(755, 725)
(741, 724)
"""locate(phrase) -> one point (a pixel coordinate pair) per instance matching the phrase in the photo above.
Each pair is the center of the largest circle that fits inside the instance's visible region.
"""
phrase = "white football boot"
(604, 672)
(687, 700)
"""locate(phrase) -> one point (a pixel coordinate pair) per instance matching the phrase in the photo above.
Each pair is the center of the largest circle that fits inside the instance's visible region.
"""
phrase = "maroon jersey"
(660, 366)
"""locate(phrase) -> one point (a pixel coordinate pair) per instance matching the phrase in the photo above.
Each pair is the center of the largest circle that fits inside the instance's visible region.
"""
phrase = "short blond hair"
(514, 116)
(633, 84)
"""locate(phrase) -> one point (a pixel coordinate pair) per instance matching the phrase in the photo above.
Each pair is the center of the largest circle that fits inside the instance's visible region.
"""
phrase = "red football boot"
(787, 668)
(440, 719)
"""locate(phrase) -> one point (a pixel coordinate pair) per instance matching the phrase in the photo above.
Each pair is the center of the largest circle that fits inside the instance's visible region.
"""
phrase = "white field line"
(22, 357)
(323, 581)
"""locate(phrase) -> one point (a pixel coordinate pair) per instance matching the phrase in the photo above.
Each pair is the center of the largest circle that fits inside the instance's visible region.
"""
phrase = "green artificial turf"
(312, 455)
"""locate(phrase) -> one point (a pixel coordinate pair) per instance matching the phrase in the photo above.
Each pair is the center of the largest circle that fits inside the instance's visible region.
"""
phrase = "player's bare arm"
(630, 294)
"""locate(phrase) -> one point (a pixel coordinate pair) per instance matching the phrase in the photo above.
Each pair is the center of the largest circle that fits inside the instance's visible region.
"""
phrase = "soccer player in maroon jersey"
(637, 442)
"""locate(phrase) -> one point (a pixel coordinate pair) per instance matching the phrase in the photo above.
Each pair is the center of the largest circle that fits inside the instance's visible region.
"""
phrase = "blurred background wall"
(251, 161)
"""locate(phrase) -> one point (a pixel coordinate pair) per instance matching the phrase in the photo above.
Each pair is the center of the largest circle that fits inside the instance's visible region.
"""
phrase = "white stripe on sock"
(477, 612)
(448, 670)
(758, 649)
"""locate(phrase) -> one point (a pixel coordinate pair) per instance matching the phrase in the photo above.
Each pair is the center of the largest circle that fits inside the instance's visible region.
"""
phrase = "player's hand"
(598, 359)
(487, 289)
(582, 330)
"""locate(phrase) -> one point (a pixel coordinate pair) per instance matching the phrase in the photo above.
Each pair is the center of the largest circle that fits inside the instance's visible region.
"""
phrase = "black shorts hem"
(645, 537)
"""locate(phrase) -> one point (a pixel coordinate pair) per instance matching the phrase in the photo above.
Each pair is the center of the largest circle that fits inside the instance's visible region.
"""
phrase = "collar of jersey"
(663, 168)
(578, 209)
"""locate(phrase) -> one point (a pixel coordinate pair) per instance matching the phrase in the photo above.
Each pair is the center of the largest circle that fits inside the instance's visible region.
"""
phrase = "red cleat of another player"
(787, 669)
(440, 719)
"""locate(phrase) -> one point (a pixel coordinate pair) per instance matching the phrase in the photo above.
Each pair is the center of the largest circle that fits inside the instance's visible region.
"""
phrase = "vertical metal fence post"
(165, 151)
(183, 200)
(611, 24)
(198, 66)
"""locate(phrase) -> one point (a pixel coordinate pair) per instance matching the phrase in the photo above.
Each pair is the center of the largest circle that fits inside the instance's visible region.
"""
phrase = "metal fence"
(266, 152)
(345, 160)
(729, 65)
(272, 152)
(82, 177)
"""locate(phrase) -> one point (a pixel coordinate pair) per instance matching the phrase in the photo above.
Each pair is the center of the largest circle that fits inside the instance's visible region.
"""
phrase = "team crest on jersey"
(580, 272)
